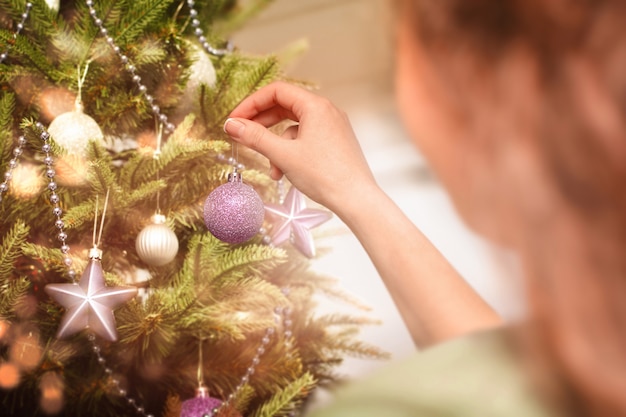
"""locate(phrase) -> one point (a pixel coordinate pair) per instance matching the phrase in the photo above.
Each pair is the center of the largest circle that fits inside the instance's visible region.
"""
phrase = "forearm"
(435, 302)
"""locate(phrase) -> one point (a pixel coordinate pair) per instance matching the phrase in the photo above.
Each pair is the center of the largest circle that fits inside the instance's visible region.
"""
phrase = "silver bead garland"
(113, 380)
(18, 29)
(8, 175)
(281, 313)
(54, 199)
(195, 23)
(130, 68)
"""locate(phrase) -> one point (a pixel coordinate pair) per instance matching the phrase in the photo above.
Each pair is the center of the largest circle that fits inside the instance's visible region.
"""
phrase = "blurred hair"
(582, 137)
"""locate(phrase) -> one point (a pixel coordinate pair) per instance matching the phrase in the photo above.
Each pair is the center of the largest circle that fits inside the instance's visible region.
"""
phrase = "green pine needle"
(287, 399)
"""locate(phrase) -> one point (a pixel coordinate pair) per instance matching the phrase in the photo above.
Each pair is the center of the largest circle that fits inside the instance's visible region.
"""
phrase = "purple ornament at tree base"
(234, 212)
(201, 406)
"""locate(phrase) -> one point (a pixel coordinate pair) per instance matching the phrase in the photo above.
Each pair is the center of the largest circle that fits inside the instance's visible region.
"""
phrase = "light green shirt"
(475, 376)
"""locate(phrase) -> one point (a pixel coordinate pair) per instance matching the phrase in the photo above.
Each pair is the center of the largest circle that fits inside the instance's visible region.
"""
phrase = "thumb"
(253, 135)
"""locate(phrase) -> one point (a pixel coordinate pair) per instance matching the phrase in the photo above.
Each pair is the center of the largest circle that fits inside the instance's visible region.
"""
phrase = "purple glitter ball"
(234, 212)
(200, 406)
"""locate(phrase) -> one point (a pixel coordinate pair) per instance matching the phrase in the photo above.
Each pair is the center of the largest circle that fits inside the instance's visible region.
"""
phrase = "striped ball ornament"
(157, 244)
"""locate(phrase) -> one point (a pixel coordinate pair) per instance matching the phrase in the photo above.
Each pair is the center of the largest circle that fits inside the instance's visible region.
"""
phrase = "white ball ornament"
(53, 4)
(73, 130)
(201, 71)
(157, 244)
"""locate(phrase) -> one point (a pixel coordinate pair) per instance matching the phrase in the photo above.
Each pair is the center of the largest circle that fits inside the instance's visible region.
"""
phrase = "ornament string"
(18, 29)
(157, 157)
(200, 362)
(96, 243)
(78, 104)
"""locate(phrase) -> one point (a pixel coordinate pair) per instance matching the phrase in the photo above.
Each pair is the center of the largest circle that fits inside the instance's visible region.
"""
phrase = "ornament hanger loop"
(156, 156)
(81, 80)
(96, 242)
(200, 365)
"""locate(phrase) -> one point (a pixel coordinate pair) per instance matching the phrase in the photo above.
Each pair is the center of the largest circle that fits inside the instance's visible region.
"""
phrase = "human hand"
(320, 155)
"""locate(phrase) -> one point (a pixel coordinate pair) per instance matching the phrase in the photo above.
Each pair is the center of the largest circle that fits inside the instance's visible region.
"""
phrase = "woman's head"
(530, 88)
(520, 107)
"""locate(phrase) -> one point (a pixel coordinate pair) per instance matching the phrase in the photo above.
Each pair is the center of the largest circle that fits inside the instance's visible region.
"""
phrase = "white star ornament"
(294, 221)
(89, 304)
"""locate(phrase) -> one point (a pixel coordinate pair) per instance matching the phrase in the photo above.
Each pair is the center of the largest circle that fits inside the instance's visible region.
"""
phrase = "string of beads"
(18, 29)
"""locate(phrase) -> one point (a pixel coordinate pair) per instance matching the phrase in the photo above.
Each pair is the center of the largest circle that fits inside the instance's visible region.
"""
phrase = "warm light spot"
(9, 375)
(55, 101)
(242, 315)
(51, 387)
(71, 170)
(146, 142)
(26, 352)
(4, 328)
(27, 181)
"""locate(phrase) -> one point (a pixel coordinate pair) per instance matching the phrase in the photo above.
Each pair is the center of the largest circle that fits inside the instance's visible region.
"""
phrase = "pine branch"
(149, 331)
(11, 248)
(287, 399)
(331, 320)
(137, 16)
(243, 305)
(42, 20)
(79, 215)
(244, 261)
(7, 107)
(237, 77)
(51, 258)
(24, 50)
(11, 291)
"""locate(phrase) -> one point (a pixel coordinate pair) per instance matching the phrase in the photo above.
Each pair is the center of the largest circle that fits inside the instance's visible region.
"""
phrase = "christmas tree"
(114, 297)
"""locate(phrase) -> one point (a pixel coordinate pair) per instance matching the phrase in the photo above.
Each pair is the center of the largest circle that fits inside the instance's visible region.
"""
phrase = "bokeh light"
(51, 387)
(54, 101)
(26, 351)
(4, 329)
(27, 181)
(9, 375)
(71, 170)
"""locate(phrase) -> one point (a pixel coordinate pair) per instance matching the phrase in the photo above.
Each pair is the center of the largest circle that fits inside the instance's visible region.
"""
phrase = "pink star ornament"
(89, 304)
(293, 221)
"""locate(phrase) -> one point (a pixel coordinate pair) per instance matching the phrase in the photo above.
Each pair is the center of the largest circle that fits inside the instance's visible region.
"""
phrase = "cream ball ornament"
(73, 130)
(53, 4)
(157, 244)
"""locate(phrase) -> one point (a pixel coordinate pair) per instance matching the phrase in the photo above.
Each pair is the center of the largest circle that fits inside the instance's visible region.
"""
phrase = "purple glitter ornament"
(234, 212)
(201, 406)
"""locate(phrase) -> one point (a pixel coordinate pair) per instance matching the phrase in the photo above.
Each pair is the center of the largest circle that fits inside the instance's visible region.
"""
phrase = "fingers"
(276, 98)
(274, 116)
(291, 132)
(255, 136)
(275, 173)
